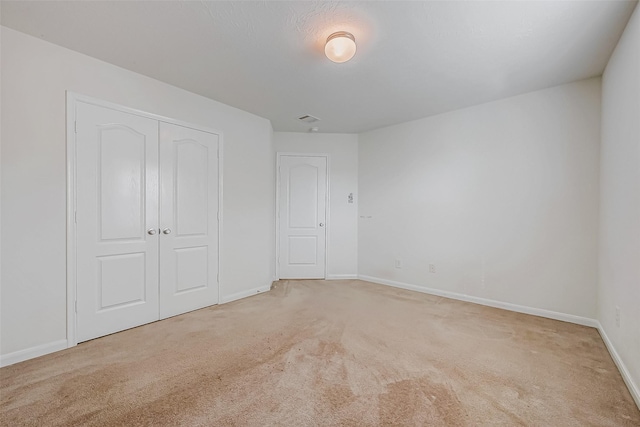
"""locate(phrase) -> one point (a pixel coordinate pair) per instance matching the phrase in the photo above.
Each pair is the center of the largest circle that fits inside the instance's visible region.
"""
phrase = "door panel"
(191, 187)
(303, 250)
(303, 196)
(121, 168)
(121, 280)
(302, 210)
(191, 266)
(189, 214)
(116, 193)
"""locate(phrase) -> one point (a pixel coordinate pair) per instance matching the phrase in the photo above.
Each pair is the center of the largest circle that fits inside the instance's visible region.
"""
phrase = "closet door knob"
(151, 231)
(166, 231)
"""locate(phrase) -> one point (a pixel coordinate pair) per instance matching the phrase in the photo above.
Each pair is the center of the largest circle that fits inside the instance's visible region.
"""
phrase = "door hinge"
(218, 277)
(76, 304)
(75, 216)
(218, 215)
(75, 126)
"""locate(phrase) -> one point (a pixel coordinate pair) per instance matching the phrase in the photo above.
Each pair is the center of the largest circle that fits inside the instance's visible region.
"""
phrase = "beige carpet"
(328, 353)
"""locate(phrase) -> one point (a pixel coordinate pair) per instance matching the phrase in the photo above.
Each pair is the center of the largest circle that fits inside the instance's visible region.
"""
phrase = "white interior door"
(116, 202)
(188, 219)
(302, 216)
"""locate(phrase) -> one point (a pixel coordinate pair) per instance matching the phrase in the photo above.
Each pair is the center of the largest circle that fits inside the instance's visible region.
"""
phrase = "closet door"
(117, 220)
(188, 219)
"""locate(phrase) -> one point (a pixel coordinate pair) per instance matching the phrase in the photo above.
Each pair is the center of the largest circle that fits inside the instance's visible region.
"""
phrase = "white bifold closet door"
(146, 220)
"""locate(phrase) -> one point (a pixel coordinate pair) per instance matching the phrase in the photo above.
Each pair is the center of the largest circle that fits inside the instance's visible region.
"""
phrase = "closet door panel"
(116, 197)
(188, 219)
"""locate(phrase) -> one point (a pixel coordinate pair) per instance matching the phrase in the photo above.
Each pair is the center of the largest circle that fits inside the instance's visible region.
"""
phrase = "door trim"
(327, 233)
(72, 100)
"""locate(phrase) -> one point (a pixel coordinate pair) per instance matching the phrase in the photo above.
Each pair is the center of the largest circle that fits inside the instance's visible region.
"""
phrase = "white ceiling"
(414, 59)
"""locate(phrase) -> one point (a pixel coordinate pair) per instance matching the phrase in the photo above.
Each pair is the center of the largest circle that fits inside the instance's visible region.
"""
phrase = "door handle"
(322, 224)
(151, 231)
(166, 231)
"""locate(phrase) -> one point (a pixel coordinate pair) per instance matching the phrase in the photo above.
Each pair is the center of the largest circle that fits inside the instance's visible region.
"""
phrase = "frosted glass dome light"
(340, 47)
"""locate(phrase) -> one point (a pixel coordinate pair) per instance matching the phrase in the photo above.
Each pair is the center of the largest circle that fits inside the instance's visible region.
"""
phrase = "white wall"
(35, 75)
(619, 272)
(343, 225)
(502, 198)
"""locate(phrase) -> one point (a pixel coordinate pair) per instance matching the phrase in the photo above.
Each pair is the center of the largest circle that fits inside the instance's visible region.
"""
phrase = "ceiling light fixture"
(340, 47)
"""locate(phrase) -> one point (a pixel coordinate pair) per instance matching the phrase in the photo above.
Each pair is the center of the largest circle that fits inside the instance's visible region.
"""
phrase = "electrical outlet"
(432, 268)
(617, 316)
(398, 263)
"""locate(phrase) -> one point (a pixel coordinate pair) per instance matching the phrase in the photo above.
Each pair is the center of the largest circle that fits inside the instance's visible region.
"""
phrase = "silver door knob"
(166, 231)
(151, 231)
(321, 224)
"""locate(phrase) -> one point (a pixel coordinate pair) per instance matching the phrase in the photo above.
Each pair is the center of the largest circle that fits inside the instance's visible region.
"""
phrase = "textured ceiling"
(414, 59)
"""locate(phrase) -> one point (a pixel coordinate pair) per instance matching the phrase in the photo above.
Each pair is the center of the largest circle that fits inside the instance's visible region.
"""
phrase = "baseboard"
(585, 321)
(626, 376)
(41, 350)
(33, 352)
(341, 276)
(244, 294)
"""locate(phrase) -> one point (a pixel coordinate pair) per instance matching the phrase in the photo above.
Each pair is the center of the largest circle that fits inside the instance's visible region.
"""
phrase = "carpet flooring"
(312, 353)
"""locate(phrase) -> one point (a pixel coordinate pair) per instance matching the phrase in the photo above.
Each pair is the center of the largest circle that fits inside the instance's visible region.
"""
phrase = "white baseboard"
(626, 376)
(41, 350)
(244, 294)
(634, 389)
(341, 276)
(33, 352)
(585, 321)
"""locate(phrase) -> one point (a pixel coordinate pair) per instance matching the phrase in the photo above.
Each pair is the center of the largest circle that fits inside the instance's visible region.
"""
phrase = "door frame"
(327, 208)
(72, 100)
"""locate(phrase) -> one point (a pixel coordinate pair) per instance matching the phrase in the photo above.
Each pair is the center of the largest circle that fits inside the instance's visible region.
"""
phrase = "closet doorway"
(144, 229)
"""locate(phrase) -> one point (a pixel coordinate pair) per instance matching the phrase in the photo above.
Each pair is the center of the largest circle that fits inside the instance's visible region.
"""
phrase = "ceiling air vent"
(307, 118)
